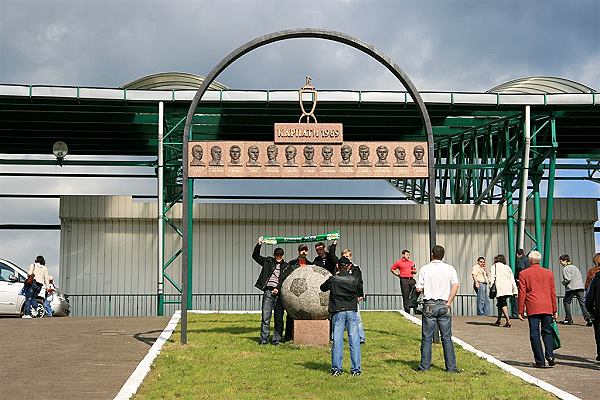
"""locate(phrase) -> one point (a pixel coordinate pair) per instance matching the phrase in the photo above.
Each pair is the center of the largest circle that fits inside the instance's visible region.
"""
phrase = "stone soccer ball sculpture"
(302, 296)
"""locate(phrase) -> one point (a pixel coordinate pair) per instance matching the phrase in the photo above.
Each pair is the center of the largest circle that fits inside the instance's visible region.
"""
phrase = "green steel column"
(550, 197)
(190, 233)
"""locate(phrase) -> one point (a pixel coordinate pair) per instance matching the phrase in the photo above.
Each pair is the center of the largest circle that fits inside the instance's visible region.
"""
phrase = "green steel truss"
(479, 148)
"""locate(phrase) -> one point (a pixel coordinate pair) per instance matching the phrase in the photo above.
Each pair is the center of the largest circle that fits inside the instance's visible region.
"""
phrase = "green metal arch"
(263, 41)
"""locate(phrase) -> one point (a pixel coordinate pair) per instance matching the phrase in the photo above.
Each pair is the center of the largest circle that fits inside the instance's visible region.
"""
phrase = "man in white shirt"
(439, 283)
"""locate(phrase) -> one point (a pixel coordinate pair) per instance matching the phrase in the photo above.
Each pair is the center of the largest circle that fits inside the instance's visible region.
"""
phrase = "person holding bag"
(37, 274)
(504, 280)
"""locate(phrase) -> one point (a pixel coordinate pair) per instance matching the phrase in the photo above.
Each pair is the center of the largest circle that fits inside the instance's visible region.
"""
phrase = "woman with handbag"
(502, 276)
(37, 277)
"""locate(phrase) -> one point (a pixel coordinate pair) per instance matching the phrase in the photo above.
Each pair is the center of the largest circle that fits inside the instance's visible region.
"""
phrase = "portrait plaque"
(230, 159)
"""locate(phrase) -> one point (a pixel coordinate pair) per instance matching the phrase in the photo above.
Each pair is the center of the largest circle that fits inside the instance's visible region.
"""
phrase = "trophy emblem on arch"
(308, 89)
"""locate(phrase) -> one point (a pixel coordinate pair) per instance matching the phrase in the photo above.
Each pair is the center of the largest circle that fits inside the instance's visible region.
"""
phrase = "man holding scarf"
(270, 283)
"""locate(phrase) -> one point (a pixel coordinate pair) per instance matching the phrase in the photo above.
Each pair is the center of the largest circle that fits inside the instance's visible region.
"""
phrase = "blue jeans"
(483, 299)
(361, 328)
(534, 337)
(436, 313)
(30, 297)
(270, 303)
(345, 320)
(48, 307)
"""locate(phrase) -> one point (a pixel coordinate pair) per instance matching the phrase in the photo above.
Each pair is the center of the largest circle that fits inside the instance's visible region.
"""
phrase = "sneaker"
(419, 369)
(336, 372)
(589, 322)
(551, 362)
(356, 373)
(275, 343)
(539, 365)
(26, 316)
(362, 342)
(260, 343)
(567, 322)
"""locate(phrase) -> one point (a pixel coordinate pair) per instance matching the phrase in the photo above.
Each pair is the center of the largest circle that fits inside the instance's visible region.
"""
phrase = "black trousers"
(407, 287)
(596, 324)
(289, 328)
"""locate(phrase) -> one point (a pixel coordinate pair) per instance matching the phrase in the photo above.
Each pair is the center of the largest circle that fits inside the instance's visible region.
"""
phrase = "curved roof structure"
(541, 85)
(171, 81)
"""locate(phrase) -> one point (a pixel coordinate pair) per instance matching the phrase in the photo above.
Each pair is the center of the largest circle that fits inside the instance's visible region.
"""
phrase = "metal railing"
(145, 304)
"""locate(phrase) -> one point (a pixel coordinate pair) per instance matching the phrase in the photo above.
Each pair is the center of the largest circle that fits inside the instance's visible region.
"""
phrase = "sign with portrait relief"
(307, 150)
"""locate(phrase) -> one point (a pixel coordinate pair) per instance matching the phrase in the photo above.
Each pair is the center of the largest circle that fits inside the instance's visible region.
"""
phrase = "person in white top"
(50, 288)
(506, 287)
(439, 284)
(38, 274)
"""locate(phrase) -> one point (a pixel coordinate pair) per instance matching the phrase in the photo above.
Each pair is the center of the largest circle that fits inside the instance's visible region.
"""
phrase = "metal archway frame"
(262, 41)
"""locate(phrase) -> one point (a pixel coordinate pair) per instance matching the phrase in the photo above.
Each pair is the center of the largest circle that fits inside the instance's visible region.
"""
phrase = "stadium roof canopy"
(123, 121)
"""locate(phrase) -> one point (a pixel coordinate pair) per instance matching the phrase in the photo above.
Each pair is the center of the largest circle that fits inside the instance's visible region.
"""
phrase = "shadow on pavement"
(148, 337)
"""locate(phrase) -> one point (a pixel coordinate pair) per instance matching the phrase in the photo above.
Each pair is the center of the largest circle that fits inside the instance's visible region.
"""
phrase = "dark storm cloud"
(442, 45)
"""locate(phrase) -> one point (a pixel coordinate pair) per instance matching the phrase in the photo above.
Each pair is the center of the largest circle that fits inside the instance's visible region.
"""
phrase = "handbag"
(493, 288)
(29, 280)
(555, 335)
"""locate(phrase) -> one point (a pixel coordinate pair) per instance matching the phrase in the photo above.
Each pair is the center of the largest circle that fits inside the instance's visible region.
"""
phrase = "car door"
(9, 291)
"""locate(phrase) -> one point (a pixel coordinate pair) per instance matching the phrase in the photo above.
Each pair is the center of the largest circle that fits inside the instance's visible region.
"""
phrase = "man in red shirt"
(405, 269)
(537, 297)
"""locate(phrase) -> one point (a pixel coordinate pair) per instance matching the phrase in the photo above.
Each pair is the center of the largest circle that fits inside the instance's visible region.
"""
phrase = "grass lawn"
(223, 361)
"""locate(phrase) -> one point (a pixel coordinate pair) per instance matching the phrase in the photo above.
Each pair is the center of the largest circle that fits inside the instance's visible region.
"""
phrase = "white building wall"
(109, 243)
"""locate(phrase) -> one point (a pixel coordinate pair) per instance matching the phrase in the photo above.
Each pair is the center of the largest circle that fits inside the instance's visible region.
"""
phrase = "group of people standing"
(346, 290)
(437, 282)
(536, 293)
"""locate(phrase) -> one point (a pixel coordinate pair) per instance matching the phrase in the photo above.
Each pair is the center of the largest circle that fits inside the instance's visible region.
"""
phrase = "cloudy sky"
(441, 45)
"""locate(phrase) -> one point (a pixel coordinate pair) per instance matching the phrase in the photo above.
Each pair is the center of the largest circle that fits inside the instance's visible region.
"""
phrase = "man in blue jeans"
(270, 283)
(439, 283)
(345, 289)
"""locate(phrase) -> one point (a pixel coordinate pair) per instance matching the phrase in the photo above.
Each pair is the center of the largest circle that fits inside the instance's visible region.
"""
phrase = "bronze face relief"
(349, 160)
(197, 153)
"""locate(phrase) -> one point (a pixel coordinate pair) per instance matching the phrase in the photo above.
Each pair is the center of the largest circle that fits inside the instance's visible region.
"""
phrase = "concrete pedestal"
(311, 332)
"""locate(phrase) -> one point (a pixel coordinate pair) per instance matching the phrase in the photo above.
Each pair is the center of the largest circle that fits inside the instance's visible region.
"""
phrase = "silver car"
(12, 280)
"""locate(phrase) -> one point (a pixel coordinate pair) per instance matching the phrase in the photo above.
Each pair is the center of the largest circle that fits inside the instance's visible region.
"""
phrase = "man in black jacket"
(592, 304)
(345, 289)
(270, 283)
(326, 259)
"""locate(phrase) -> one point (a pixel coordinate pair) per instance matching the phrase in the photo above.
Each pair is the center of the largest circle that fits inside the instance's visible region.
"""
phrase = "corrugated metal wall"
(108, 243)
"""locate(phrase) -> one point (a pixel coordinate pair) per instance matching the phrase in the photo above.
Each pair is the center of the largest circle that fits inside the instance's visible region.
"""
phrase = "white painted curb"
(561, 394)
(137, 377)
(135, 380)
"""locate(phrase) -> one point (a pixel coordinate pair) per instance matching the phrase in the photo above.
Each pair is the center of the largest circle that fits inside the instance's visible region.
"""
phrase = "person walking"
(505, 286)
(521, 263)
(573, 282)
(270, 283)
(592, 303)
(38, 275)
(481, 281)
(405, 269)
(345, 289)
(439, 283)
(537, 298)
(50, 289)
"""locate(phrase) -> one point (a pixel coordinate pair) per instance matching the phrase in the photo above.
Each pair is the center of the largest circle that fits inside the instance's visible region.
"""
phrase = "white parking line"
(561, 394)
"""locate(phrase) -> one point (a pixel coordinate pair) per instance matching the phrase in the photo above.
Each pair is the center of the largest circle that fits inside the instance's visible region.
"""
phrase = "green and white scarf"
(301, 239)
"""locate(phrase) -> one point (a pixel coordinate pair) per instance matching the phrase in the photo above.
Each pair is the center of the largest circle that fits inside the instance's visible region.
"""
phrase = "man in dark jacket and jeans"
(592, 303)
(345, 289)
(270, 283)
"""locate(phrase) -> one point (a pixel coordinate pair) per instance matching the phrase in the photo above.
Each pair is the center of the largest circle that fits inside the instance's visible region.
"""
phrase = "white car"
(12, 280)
